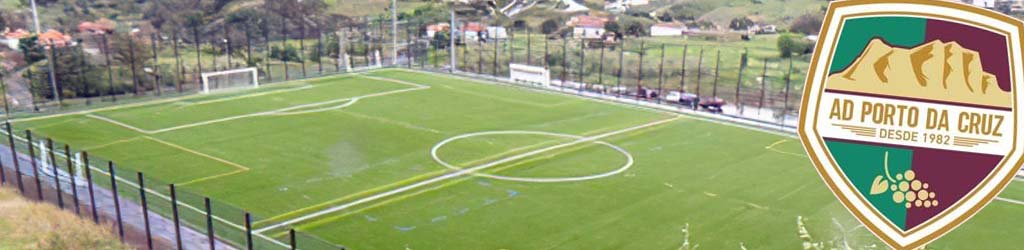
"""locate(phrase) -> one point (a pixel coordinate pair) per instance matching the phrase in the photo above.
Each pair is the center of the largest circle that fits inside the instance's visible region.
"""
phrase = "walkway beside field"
(131, 212)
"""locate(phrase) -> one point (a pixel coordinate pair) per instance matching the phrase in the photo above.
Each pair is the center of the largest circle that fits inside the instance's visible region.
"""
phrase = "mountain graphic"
(932, 71)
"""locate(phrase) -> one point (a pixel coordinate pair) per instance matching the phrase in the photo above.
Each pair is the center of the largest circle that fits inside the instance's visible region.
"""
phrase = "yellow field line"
(772, 148)
(111, 143)
(212, 177)
(236, 165)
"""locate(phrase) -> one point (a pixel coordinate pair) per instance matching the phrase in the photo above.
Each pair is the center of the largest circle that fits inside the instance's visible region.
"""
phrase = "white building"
(990, 4)
(588, 27)
(668, 29)
(497, 32)
(588, 32)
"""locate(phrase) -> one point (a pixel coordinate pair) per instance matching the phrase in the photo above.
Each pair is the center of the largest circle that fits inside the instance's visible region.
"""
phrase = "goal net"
(529, 74)
(219, 80)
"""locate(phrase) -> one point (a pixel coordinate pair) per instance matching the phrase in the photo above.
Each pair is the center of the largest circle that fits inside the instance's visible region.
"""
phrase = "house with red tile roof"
(10, 37)
(53, 38)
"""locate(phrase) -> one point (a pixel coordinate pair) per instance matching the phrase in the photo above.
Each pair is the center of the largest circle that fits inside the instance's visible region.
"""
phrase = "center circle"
(576, 138)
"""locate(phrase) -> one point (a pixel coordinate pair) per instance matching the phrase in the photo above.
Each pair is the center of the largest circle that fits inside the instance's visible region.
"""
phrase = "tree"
(131, 50)
(690, 10)
(441, 40)
(665, 17)
(635, 26)
(31, 50)
(287, 53)
(250, 22)
(740, 23)
(790, 44)
(77, 78)
(612, 27)
(549, 26)
(809, 24)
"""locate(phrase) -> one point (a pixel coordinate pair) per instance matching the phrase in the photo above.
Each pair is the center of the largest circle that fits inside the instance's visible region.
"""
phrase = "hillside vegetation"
(29, 225)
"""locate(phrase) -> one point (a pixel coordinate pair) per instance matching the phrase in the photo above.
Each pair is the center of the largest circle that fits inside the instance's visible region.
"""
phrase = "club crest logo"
(910, 113)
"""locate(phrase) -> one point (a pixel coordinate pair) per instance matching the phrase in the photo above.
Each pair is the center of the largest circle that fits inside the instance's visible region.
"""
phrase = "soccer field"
(395, 159)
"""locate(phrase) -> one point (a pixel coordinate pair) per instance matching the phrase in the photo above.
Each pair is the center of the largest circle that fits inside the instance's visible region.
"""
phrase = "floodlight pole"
(451, 39)
(394, 31)
(35, 17)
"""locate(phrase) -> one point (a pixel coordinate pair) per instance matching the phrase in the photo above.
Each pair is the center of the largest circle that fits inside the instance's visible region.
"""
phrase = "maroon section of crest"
(951, 175)
(991, 46)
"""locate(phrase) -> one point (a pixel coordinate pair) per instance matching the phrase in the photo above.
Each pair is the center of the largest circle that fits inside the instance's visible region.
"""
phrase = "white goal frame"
(206, 77)
(529, 74)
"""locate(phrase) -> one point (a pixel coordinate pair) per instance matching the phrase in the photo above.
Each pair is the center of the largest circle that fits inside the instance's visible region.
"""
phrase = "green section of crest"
(856, 33)
(862, 164)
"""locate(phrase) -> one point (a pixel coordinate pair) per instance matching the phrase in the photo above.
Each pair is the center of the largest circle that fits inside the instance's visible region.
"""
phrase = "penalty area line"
(347, 101)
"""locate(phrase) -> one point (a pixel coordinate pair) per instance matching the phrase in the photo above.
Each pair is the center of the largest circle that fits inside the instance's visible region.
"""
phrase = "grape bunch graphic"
(906, 189)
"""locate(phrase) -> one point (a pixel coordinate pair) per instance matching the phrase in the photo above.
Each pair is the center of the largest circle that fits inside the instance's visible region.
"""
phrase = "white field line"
(617, 101)
(1016, 202)
(282, 111)
(131, 105)
(162, 196)
(459, 173)
(305, 87)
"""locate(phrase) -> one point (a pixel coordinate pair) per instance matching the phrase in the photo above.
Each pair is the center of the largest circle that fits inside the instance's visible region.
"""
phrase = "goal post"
(230, 79)
(529, 74)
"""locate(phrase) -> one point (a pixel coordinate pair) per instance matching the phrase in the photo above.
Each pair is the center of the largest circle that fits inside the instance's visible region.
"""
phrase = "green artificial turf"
(732, 185)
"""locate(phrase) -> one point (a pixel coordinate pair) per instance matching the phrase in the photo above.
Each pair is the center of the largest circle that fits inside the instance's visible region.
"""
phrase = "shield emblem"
(910, 113)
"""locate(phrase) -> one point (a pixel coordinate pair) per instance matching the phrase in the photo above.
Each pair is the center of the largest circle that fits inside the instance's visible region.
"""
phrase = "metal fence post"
(700, 71)
(618, 84)
(565, 61)
(583, 61)
(156, 63)
(494, 60)
(319, 50)
(177, 220)
(35, 166)
(284, 45)
(465, 51)
(529, 46)
(92, 193)
(600, 71)
(764, 80)
(718, 61)
(789, 78)
(56, 177)
(248, 231)
(209, 224)
(14, 157)
(71, 176)
(291, 239)
(479, 56)
(302, 46)
(145, 210)
(739, 81)
(3, 173)
(661, 73)
(178, 74)
(682, 80)
(117, 199)
(640, 71)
